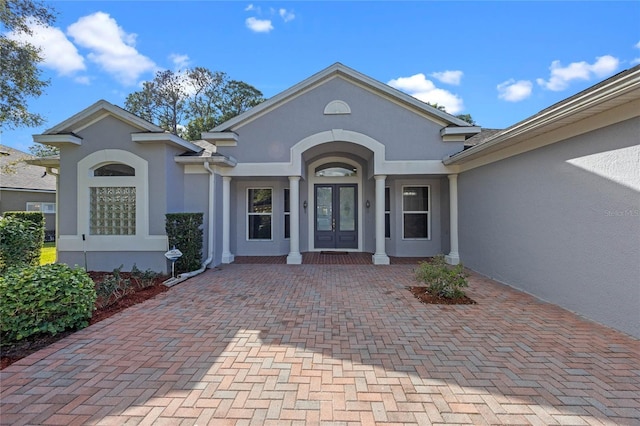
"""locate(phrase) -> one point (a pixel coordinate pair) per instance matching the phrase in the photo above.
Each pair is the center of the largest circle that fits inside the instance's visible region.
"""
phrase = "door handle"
(333, 225)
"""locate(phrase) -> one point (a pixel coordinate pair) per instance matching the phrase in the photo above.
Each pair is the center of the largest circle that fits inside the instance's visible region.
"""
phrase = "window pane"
(415, 198)
(260, 227)
(336, 170)
(115, 169)
(387, 200)
(287, 226)
(324, 208)
(286, 201)
(259, 200)
(415, 225)
(112, 211)
(347, 208)
(387, 225)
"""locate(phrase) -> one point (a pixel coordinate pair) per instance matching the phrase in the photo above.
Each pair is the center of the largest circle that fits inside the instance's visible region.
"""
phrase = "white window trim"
(30, 207)
(142, 241)
(253, 240)
(428, 212)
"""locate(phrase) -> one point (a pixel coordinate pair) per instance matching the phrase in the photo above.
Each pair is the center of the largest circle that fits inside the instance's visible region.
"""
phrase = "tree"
(467, 118)
(463, 117)
(39, 150)
(20, 77)
(201, 98)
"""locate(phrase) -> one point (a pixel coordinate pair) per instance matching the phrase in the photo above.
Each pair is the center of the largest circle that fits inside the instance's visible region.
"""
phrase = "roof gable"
(95, 113)
(339, 70)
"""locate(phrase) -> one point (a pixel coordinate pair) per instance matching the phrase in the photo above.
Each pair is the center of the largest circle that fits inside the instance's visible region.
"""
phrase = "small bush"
(142, 279)
(21, 239)
(443, 280)
(112, 287)
(44, 299)
(185, 233)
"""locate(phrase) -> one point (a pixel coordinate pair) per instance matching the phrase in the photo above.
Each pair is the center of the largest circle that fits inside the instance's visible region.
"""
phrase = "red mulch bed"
(424, 296)
(33, 344)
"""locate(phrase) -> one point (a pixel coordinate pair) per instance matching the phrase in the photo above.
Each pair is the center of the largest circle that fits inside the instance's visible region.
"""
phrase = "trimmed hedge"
(185, 233)
(44, 299)
(21, 238)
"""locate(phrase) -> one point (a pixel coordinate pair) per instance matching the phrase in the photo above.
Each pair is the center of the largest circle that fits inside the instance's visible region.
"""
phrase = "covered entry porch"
(340, 195)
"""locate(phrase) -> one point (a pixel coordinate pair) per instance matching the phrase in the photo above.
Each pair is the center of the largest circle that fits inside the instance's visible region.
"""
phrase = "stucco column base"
(228, 258)
(380, 259)
(294, 259)
(452, 258)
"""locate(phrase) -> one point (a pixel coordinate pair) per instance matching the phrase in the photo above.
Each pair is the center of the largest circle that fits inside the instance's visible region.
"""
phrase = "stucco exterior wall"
(108, 260)
(562, 222)
(406, 134)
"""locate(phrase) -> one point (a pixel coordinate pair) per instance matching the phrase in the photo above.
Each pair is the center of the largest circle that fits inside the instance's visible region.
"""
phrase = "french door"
(336, 216)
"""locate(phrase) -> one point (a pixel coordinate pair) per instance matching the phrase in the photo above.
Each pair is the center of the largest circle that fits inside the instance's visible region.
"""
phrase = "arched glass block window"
(114, 169)
(336, 170)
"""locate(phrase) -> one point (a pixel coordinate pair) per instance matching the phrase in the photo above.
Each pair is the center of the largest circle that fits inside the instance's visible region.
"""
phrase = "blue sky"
(498, 61)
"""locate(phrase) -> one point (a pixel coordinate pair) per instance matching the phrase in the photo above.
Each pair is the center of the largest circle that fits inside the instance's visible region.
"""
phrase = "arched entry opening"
(335, 187)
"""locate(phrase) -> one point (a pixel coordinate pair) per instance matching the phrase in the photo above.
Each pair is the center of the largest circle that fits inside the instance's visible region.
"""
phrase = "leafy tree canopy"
(199, 97)
(463, 117)
(20, 77)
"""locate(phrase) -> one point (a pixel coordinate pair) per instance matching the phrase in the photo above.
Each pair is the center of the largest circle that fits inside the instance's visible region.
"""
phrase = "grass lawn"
(48, 253)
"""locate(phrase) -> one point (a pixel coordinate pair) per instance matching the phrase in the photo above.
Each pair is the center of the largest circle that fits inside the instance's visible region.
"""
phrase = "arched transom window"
(336, 170)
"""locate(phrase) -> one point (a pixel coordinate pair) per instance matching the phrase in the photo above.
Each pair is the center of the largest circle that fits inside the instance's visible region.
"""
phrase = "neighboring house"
(341, 162)
(25, 187)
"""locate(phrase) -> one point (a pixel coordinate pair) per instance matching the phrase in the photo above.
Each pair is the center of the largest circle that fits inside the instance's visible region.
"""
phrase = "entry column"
(380, 256)
(227, 256)
(294, 257)
(453, 258)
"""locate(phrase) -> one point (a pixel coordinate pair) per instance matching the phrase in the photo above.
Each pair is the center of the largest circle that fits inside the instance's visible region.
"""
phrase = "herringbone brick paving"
(329, 344)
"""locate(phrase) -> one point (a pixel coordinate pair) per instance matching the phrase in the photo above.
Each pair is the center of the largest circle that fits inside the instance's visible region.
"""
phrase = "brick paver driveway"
(329, 344)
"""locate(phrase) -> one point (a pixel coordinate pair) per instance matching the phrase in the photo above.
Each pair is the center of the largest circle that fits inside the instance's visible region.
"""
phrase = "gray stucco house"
(343, 162)
(25, 187)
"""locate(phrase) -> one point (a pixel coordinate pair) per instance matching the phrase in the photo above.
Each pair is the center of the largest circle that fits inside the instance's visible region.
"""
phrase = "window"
(415, 212)
(336, 170)
(387, 213)
(112, 210)
(259, 213)
(36, 206)
(287, 221)
(115, 169)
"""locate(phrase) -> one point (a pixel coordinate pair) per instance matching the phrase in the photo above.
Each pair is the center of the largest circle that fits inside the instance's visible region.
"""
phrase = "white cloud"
(448, 77)
(259, 25)
(514, 91)
(57, 51)
(83, 79)
(286, 15)
(420, 88)
(180, 62)
(562, 76)
(111, 47)
(251, 7)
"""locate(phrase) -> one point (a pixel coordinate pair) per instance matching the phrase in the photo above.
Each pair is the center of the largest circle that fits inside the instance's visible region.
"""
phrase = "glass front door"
(336, 216)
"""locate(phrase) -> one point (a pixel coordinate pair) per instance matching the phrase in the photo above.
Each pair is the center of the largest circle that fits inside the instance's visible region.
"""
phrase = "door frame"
(312, 180)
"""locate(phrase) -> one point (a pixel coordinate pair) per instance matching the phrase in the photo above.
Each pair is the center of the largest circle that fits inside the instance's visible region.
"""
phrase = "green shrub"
(185, 233)
(142, 279)
(44, 299)
(442, 279)
(112, 287)
(21, 238)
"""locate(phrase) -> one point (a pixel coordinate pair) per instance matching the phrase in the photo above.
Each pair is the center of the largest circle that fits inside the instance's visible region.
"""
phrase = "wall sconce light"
(368, 204)
(304, 204)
